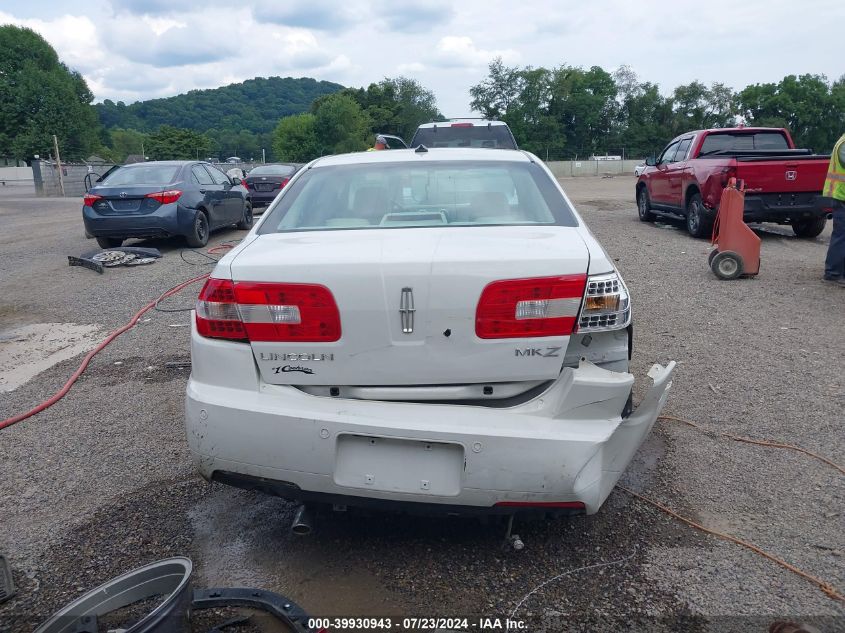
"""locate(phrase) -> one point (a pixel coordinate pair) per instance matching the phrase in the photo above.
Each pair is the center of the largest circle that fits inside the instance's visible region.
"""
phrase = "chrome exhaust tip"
(301, 525)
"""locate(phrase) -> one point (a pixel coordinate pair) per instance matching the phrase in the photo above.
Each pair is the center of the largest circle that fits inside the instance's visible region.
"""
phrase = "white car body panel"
(447, 268)
(376, 437)
(568, 444)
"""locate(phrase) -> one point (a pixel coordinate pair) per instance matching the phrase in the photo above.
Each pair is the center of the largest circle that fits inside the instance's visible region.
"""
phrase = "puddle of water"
(28, 350)
(244, 540)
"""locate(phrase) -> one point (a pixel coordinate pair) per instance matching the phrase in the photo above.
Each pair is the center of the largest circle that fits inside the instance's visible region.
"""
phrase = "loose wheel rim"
(728, 266)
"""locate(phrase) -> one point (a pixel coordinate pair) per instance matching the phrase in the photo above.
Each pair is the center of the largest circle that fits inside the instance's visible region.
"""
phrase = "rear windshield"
(142, 174)
(418, 194)
(492, 137)
(726, 142)
(272, 170)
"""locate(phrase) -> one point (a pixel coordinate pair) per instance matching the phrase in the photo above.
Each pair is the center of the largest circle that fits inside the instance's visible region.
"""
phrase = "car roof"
(443, 154)
(473, 122)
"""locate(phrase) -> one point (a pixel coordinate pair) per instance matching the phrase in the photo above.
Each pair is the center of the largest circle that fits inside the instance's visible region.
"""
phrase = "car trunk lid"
(125, 200)
(377, 276)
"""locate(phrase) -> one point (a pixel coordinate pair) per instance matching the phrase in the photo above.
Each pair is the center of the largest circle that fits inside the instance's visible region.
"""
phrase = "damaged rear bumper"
(565, 448)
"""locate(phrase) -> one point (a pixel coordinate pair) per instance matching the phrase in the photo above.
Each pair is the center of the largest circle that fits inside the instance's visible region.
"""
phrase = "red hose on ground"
(61, 393)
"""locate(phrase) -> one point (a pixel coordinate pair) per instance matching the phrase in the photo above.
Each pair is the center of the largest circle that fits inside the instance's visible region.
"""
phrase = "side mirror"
(651, 161)
(236, 181)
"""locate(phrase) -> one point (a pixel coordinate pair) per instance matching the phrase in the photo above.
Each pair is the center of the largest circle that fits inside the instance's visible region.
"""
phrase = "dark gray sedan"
(265, 182)
(165, 198)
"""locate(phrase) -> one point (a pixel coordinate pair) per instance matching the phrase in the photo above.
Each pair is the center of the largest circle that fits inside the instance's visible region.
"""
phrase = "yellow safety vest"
(834, 186)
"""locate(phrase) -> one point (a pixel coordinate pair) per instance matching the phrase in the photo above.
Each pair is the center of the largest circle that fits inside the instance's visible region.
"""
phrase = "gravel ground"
(101, 482)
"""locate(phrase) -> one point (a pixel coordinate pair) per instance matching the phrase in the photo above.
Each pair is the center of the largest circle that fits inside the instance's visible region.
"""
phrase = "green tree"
(812, 110)
(520, 97)
(492, 97)
(124, 142)
(172, 143)
(341, 125)
(295, 138)
(583, 102)
(697, 107)
(40, 97)
(397, 106)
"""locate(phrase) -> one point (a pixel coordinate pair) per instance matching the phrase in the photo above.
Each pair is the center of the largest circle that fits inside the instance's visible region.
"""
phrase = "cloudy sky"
(140, 49)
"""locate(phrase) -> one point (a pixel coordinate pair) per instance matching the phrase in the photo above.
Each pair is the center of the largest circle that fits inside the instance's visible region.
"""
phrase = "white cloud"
(455, 51)
(139, 49)
(413, 67)
(160, 26)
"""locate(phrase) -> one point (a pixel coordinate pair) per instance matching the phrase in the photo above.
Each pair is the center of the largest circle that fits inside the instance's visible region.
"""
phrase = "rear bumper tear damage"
(568, 444)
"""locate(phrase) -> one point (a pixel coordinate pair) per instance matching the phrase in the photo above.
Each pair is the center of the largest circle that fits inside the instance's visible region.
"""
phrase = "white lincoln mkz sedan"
(419, 329)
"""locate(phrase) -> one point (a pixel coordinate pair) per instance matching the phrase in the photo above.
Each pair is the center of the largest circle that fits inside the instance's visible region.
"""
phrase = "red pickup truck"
(781, 183)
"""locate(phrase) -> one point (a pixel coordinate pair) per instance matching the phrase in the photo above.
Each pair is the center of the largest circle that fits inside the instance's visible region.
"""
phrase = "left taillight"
(90, 199)
(165, 197)
(258, 311)
(539, 306)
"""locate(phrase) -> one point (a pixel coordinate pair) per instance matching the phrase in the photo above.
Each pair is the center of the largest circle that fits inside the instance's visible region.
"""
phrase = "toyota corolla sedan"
(164, 198)
(431, 329)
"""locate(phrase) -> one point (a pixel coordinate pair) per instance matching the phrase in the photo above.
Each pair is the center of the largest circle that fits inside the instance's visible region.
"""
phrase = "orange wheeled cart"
(736, 249)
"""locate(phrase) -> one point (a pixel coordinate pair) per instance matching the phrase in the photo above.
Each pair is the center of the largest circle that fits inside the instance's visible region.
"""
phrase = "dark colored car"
(266, 181)
(162, 199)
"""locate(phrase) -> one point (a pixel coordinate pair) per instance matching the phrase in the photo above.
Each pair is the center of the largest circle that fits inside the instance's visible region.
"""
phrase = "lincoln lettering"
(295, 357)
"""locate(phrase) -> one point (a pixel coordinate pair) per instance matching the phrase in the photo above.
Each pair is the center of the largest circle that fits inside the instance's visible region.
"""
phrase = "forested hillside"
(255, 105)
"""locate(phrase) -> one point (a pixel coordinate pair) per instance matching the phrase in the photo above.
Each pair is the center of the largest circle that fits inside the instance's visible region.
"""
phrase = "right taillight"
(607, 305)
(538, 306)
(165, 197)
(253, 311)
(283, 183)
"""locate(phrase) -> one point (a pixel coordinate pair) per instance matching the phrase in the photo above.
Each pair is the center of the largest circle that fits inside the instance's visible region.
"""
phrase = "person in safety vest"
(381, 143)
(833, 196)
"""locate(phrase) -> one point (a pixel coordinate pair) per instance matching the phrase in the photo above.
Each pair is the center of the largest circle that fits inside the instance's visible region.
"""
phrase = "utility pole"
(59, 165)
(262, 156)
(143, 154)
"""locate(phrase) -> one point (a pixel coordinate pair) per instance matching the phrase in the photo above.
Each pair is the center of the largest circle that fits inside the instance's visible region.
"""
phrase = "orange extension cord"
(826, 587)
(61, 393)
(748, 440)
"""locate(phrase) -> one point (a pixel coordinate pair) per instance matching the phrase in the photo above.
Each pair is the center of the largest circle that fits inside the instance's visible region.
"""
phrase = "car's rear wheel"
(809, 228)
(246, 223)
(698, 224)
(644, 206)
(198, 237)
(109, 242)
